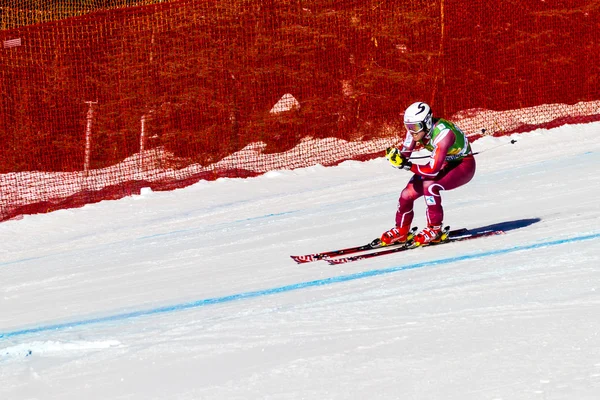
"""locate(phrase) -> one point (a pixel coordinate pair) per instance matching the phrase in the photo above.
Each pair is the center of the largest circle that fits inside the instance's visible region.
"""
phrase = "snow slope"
(191, 294)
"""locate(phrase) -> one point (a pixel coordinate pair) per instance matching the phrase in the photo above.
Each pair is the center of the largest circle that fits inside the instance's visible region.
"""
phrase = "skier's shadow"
(507, 226)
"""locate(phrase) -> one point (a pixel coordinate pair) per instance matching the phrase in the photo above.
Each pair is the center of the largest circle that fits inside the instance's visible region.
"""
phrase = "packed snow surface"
(191, 294)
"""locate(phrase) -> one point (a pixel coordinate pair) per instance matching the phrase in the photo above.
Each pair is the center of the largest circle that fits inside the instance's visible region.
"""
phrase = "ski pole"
(513, 141)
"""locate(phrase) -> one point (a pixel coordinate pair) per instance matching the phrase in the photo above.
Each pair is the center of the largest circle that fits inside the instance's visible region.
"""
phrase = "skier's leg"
(405, 213)
(433, 201)
(453, 176)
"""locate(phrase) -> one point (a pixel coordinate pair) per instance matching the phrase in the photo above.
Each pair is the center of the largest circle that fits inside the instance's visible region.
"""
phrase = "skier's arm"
(408, 146)
(442, 144)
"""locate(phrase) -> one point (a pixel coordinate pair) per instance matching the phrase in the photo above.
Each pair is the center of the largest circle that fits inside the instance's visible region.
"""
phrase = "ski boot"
(397, 235)
(431, 235)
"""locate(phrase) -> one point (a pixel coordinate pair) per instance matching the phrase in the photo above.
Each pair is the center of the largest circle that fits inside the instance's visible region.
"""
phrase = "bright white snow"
(191, 294)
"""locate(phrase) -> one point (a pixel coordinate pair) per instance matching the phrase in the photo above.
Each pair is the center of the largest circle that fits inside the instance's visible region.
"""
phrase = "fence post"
(143, 120)
(142, 135)
(88, 135)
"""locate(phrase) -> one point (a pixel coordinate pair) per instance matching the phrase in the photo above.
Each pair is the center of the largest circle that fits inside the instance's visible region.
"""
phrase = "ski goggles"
(414, 127)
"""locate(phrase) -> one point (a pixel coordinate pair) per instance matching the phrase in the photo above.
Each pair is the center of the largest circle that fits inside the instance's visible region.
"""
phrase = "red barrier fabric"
(99, 102)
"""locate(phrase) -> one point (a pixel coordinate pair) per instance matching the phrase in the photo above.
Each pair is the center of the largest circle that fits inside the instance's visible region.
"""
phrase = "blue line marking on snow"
(21, 260)
(157, 235)
(221, 224)
(287, 288)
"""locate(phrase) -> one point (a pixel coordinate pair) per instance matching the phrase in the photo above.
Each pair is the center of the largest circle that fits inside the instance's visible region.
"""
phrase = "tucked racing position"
(452, 165)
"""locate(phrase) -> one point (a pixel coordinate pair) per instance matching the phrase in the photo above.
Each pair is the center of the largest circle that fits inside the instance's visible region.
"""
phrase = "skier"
(452, 165)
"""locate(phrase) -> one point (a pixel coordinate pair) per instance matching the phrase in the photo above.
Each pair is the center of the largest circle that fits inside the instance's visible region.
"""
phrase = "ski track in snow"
(297, 286)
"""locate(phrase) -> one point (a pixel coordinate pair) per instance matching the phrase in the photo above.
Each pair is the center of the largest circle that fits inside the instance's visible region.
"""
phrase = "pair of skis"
(376, 248)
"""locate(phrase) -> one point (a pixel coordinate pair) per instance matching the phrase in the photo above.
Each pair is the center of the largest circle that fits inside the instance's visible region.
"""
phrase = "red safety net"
(102, 100)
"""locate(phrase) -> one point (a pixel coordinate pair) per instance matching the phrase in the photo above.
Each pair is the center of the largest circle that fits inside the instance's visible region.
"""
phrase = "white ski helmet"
(417, 117)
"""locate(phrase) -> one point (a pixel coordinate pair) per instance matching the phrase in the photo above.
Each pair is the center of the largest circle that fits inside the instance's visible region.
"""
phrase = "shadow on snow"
(507, 226)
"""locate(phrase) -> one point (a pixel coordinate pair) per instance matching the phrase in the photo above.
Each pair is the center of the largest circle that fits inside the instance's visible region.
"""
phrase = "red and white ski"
(454, 236)
(374, 244)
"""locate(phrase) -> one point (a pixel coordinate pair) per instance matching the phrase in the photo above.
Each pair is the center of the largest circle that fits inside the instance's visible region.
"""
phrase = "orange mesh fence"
(17, 13)
(102, 98)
